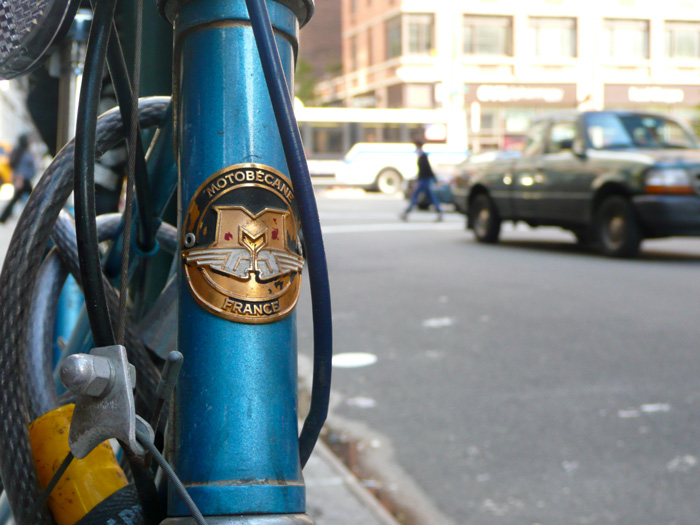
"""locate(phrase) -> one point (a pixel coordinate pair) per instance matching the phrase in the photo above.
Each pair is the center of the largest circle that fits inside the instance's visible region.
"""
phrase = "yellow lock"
(87, 482)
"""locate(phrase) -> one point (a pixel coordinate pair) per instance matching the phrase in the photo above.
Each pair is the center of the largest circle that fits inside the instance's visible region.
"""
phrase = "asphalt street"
(529, 382)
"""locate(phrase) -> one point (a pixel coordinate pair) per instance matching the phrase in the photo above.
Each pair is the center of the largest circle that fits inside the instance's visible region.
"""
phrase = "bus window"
(372, 133)
(416, 131)
(392, 133)
(326, 139)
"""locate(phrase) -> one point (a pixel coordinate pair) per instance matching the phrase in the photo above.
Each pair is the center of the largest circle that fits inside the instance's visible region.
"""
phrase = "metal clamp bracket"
(104, 381)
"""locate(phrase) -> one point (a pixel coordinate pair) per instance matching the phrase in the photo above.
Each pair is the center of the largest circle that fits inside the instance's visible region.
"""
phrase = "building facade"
(319, 42)
(500, 63)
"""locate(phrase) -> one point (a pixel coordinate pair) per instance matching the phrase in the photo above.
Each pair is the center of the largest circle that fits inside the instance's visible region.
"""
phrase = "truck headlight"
(668, 181)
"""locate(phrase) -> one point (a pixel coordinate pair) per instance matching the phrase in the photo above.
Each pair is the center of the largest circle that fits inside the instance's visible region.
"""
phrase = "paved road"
(527, 382)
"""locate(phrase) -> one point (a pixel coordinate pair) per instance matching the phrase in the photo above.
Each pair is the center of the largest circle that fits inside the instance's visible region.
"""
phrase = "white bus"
(375, 136)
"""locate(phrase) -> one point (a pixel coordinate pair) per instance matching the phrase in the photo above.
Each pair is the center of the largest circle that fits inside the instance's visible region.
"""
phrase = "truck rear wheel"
(388, 181)
(484, 219)
(617, 228)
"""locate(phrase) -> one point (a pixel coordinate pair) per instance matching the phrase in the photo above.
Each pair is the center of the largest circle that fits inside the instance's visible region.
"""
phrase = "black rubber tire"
(583, 237)
(617, 229)
(484, 219)
(388, 182)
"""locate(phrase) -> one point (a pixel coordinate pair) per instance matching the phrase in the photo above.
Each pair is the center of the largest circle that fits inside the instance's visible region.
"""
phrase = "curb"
(363, 496)
(354, 486)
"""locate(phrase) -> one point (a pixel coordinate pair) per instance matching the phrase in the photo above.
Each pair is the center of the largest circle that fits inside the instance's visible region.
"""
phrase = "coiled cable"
(41, 391)
(42, 396)
(17, 281)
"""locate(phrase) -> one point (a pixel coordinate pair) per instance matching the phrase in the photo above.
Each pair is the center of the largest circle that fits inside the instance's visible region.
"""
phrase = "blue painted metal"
(79, 342)
(162, 169)
(70, 304)
(233, 439)
(162, 182)
(162, 173)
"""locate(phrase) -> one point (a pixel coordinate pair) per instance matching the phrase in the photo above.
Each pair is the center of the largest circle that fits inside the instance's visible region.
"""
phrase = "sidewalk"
(334, 495)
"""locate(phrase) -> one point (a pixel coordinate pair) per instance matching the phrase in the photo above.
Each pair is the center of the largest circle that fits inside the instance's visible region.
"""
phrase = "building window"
(553, 37)
(353, 53)
(682, 40)
(487, 35)
(624, 39)
(488, 121)
(410, 34)
(393, 37)
(518, 120)
(421, 34)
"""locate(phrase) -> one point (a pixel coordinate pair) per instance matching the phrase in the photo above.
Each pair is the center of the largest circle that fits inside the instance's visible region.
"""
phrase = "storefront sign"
(522, 94)
(649, 95)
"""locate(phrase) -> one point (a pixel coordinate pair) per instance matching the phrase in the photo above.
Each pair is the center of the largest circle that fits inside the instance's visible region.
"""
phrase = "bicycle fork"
(233, 434)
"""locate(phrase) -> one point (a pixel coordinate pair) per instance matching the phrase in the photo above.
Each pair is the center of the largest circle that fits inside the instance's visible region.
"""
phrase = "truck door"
(563, 177)
(525, 179)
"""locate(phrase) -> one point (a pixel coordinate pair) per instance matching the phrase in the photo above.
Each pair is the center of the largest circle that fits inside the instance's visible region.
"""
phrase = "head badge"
(242, 256)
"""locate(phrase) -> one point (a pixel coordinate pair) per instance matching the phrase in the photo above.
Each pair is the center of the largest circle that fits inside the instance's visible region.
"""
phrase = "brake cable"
(129, 205)
(84, 172)
(122, 88)
(310, 224)
(99, 45)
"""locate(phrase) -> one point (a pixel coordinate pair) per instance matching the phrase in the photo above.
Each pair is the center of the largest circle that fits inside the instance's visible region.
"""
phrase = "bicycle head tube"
(233, 433)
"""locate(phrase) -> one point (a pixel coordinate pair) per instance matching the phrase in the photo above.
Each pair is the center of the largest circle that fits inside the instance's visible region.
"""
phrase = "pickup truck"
(613, 178)
(385, 167)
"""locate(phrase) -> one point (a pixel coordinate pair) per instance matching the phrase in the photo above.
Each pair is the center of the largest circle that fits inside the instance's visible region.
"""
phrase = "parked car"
(611, 177)
(470, 168)
(386, 166)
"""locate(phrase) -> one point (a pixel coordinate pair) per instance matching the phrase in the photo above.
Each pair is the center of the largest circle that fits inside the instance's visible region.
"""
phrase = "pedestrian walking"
(426, 179)
(23, 170)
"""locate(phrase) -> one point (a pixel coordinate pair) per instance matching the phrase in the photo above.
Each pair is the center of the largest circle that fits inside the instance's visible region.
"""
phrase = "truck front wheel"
(388, 181)
(617, 228)
(484, 219)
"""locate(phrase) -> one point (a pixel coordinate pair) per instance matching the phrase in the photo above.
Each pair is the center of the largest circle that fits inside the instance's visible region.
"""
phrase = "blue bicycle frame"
(233, 425)
(233, 428)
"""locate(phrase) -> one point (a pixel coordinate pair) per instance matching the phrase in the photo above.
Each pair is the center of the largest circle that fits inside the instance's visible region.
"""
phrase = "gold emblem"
(242, 254)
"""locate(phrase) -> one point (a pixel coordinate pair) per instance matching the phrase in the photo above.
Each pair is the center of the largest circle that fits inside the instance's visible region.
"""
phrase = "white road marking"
(439, 322)
(353, 359)
(682, 463)
(361, 402)
(627, 414)
(398, 227)
(650, 408)
(570, 466)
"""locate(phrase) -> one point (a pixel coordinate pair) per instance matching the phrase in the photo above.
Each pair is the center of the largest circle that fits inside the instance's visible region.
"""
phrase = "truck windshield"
(629, 130)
